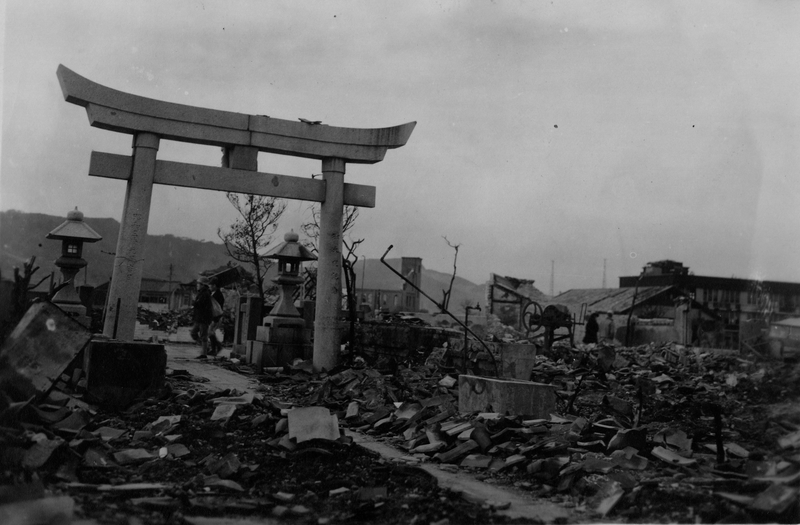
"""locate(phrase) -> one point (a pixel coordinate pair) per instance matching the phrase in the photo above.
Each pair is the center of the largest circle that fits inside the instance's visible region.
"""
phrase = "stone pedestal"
(280, 342)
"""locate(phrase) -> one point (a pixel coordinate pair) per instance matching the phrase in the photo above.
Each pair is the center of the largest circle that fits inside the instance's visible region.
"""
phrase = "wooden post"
(129, 259)
(329, 266)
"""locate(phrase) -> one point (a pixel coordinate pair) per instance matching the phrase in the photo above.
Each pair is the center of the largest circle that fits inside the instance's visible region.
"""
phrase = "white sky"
(573, 132)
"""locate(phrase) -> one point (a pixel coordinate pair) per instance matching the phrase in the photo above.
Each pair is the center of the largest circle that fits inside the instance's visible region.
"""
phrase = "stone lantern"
(73, 233)
(290, 255)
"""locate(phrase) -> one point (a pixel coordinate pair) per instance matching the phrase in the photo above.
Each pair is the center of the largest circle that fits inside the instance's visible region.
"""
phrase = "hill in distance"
(23, 235)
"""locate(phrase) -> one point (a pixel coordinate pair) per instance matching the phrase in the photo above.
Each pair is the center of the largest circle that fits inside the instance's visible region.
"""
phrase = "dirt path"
(184, 357)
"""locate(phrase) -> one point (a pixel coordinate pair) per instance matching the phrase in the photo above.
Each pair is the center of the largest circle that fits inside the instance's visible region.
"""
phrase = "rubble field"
(651, 434)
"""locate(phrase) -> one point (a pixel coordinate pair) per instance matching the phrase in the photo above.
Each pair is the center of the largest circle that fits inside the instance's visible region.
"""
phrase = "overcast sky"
(573, 132)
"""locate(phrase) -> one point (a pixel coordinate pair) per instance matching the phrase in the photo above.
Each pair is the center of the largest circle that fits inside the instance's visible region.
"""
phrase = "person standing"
(610, 328)
(202, 315)
(216, 321)
(592, 328)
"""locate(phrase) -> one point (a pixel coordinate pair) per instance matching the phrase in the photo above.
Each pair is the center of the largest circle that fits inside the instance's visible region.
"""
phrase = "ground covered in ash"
(651, 434)
(235, 468)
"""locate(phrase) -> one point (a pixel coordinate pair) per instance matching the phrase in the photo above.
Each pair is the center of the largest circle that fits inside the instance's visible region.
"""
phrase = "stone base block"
(526, 398)
(118, 372)
(272, 355)
(262, 333)
(263, 355)
(249, 348)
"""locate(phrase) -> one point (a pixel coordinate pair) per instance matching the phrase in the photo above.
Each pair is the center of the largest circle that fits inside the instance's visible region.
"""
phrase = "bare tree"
(251, 233)
(311, 228)
(447, 293)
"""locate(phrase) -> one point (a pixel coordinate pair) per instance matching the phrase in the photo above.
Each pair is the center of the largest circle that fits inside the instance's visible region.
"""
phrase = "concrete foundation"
(525, 398)
(270, 354)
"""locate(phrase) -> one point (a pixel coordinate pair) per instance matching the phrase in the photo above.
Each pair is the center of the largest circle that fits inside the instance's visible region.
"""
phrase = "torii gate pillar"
(242, 137)
(123, 293)
(329, 266)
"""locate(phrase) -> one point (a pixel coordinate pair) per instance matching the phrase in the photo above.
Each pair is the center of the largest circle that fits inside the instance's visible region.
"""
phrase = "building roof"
(157, 285)
(226, 275)
(616, 300)
(518, 287)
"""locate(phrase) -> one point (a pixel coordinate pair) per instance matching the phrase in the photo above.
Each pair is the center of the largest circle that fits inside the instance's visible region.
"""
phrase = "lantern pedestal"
(67, 298)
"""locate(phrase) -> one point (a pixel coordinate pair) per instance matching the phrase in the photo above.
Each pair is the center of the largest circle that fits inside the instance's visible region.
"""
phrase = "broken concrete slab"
(477, 394)
(313, 423)
(671, 457)
(39, 350)
(223, 412)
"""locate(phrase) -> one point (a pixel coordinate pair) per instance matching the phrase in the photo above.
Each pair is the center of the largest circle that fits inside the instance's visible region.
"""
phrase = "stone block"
(517, 361)
(118, 372)
(241, 158)
(292, 335)
(39, 350)
(287, 353)
(262, 333)
(477, 394)
(264, 355)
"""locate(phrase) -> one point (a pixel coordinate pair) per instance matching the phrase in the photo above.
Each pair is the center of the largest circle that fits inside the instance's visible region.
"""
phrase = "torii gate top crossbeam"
(122, 112)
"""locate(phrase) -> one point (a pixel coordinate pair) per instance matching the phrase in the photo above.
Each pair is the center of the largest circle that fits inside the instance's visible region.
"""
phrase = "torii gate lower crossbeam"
(241, 137)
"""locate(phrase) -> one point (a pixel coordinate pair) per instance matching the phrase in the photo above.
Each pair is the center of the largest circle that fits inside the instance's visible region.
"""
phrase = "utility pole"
(169, 288)
(552, 277)
(604, 274)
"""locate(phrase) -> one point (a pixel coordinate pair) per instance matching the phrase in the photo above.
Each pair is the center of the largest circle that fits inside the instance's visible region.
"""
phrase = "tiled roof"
(616, 300)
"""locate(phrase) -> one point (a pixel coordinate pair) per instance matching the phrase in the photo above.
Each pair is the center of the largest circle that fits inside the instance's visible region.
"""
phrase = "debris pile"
(642, 434)
(646, 432)
(167, 321)
(190, 452)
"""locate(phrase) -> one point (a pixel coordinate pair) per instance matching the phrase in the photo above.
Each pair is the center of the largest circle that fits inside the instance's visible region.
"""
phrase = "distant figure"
(202, 315)
(592, 328)
(216, 321)
(611, 328)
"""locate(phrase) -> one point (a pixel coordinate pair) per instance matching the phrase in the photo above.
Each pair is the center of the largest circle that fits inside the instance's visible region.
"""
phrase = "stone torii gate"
(241, 137)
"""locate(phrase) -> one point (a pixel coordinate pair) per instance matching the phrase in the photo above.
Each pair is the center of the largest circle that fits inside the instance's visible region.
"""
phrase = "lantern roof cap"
(74, 229)
(291, 249)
